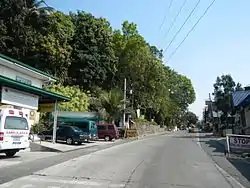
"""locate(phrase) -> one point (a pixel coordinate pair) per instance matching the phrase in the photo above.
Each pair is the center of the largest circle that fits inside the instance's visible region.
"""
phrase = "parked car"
(70, 134)
(107, 131)
(88, 127)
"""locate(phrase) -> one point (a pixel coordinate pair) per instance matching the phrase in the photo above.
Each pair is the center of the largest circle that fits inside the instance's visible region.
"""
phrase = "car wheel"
(10, 153)
(107, 138)
(69, 141)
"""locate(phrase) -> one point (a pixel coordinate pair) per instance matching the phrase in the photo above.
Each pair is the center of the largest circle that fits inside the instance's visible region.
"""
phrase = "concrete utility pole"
(55, 122)
(124, 102)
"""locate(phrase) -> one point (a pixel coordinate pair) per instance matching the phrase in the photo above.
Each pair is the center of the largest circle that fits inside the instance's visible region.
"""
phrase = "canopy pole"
(55, 122)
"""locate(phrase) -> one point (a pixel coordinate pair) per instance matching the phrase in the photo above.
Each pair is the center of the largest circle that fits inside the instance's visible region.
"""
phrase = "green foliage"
(223, 89)
(85, 53)
(189, 118)
(93, 56)
(79, 102)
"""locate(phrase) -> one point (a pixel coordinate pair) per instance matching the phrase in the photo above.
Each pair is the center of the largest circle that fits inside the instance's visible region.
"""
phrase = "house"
(22, 87)
(241, 104)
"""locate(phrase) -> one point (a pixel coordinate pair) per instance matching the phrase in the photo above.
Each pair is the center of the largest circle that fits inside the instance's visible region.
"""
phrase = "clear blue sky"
(220, 44)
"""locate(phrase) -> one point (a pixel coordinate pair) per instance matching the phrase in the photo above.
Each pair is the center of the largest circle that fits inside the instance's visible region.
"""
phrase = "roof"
(76, 116)
(240, 98)
(44, 95)
(25, 65)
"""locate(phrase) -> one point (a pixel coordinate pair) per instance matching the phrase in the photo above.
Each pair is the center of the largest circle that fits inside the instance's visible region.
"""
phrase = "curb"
(42, 148)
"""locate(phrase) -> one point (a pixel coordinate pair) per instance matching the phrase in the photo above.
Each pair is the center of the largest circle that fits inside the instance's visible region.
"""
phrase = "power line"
(190, 31)
(174, 20)
(190, 14)
(165, 17)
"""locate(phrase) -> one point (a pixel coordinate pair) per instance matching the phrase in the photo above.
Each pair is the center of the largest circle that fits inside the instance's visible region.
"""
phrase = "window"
(111, 127)
(76, 129)
(19, 123)
(82, 125)
(93, 125)
(101, 127)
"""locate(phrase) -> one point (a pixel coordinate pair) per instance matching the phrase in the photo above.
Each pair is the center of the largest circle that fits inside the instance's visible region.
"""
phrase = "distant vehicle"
(14, 131)
(107, 131)
(191, 129)
(70, 134)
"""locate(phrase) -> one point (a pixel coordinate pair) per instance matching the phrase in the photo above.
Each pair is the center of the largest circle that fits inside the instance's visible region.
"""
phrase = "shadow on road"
(241, 164)
(3, 156)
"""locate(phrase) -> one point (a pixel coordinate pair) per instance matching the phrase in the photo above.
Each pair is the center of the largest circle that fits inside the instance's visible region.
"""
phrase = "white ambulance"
(14, 131)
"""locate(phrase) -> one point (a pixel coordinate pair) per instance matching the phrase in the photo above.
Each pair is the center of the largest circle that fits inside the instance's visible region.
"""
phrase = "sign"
(131, 133)
(46, 107)
(239, 142)
(23, 80)
(19, 98)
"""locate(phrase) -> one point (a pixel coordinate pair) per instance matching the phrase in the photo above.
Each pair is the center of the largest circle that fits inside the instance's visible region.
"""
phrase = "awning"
(69, 116)
(240, 98)
(44, 95)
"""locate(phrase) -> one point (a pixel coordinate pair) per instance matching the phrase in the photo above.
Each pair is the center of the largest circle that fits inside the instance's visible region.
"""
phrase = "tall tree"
(93, 58)
(223, 89)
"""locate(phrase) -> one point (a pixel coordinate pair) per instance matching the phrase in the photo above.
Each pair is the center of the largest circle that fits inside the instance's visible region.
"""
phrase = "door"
(111, 131)
(61, 134)
(101, 131)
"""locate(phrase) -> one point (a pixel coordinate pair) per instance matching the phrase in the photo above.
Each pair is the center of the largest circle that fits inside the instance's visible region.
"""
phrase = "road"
(169, 161)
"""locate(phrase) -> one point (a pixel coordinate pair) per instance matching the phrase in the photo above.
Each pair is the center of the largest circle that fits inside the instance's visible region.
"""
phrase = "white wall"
(10, 73)
(247, 117)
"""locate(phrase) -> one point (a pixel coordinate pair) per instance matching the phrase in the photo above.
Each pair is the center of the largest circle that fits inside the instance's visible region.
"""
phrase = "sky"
(218, 45)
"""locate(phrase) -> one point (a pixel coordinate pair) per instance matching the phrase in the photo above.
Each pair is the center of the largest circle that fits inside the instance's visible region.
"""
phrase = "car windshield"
(76, 129)
(19, 123)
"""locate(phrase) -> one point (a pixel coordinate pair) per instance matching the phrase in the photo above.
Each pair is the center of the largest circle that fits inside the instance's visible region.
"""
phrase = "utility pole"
(55, 122)
(124, 102)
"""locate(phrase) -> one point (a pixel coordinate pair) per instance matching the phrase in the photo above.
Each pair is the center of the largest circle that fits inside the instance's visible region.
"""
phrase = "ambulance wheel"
(10, 153)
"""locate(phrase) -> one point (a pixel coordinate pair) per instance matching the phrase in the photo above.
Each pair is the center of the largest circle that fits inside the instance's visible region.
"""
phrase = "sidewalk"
(63, 147)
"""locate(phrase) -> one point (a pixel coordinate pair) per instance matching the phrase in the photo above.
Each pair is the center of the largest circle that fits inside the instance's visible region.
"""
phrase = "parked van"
(107, 131)
(14, 131)
(88, 128)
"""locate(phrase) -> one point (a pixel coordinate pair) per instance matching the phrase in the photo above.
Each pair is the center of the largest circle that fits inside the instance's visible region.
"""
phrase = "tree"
(93, 58)
(190, 118)
(223, 89)
(19, 21)
(79, 100)
(53, 49)
(111, 101)
(84, 52)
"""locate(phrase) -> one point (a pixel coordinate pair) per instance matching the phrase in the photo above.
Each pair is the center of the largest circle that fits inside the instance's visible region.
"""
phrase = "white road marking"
(230, 178)
(198, 140)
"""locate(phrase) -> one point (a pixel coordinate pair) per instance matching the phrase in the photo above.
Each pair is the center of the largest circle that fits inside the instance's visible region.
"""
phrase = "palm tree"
(111, 101)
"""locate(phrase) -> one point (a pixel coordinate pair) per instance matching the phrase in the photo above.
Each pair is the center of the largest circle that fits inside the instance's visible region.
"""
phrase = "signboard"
(46, 107)
(131, 133)
(19, 98)
(237, 143)
(23, 80)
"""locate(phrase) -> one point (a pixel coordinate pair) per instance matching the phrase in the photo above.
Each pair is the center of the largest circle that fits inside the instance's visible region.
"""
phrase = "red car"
(107, 131)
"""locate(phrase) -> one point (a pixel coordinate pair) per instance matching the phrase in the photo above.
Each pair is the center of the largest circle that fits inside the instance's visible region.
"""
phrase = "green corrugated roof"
(25, 65)
(45, 95)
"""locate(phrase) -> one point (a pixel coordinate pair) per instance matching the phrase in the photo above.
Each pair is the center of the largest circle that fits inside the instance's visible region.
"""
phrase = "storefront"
(22, 86)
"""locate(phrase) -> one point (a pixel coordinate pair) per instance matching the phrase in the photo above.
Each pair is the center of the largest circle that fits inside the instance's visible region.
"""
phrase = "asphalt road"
(169, 161)
(235, 166)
